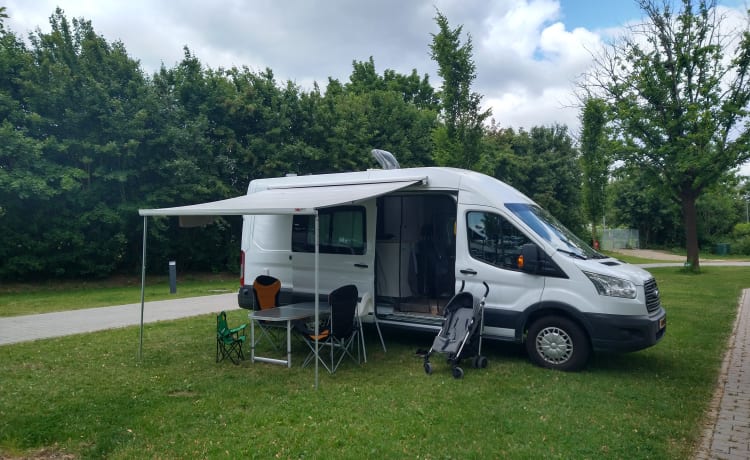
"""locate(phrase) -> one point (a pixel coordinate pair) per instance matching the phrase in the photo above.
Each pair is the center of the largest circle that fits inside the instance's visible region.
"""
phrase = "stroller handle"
(486, 287)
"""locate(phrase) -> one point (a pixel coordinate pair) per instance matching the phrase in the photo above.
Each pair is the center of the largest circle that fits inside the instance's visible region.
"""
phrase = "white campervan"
(411, 237)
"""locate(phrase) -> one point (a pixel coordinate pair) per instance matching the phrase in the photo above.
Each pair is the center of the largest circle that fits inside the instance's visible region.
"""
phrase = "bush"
(741, 246)
(741, 239)
(741, 230)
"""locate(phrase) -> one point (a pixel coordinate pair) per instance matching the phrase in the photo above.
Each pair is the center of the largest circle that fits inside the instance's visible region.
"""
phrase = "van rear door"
(487, 250)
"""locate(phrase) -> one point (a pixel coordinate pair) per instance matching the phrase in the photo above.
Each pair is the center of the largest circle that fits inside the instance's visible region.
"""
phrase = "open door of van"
(415, 254)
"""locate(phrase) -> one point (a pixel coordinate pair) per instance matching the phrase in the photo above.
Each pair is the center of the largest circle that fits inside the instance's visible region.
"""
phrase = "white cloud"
(516, 26)
(526, 57)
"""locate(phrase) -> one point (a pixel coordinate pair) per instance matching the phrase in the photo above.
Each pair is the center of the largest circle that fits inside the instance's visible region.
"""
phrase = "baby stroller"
(461, 334)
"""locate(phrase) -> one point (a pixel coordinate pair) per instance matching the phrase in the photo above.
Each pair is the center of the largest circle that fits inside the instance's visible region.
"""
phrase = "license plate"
(662, 322)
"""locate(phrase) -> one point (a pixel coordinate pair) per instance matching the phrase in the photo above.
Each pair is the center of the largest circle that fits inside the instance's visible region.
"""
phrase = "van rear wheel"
(558, 343)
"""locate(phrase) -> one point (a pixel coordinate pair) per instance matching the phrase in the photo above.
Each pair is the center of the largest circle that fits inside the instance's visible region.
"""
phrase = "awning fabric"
(303, 199)
(287, 200)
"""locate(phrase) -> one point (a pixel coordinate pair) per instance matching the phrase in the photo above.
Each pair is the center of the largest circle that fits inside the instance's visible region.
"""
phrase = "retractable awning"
(291, 199)
(300, 199)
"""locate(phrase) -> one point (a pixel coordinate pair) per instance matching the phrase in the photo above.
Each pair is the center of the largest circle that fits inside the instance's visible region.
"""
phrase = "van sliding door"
(415, 254)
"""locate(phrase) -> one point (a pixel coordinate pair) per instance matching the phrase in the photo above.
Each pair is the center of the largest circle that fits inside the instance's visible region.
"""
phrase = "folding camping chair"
(364, 308)
(266, 291)
(229, 341)
(338, 333)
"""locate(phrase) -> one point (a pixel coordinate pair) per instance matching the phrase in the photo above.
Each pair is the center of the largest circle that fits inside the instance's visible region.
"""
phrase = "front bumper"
(626, 333)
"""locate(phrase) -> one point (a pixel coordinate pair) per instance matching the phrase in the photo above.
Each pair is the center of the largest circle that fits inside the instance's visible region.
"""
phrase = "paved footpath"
(32, 327)
(727, 432)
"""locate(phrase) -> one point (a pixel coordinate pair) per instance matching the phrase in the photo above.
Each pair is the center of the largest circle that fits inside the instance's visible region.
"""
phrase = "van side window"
(494, 240)
(342, 231)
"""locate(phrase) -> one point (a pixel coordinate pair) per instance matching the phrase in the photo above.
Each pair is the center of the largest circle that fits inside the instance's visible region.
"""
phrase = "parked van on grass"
(411, 237)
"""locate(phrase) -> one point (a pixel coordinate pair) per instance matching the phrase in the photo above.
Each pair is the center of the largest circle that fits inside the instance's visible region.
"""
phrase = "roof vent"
(385, 159)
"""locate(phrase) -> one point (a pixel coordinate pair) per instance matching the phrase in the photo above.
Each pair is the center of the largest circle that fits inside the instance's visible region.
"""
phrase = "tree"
(635, 202)
(594, 161)
(678, 102)
(542, 163)
(71, 133)
(458, 140)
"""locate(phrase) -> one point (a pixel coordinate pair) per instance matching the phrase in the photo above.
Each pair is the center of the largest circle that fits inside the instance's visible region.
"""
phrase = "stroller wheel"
(480, 362)
(458, 373)
(427, 368)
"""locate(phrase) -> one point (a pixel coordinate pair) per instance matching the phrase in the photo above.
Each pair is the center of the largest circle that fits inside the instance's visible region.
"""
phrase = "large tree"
(679, 101)
(594, 161)
(458, 141)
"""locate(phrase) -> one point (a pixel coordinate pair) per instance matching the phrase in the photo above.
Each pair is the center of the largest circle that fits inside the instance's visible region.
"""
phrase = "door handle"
(468, 271)
(361, 265)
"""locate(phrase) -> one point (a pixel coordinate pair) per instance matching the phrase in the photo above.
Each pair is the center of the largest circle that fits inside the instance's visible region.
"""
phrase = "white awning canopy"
(302, 199)
(294, 199)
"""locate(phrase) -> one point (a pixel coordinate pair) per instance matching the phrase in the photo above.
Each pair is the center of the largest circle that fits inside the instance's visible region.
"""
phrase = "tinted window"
(494, 240)
(342, 231)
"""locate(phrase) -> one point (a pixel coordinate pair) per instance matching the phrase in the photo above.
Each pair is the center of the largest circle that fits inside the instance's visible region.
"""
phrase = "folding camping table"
(284, 313)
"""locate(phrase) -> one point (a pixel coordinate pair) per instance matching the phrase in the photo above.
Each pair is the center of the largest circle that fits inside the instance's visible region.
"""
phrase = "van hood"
(616, 268)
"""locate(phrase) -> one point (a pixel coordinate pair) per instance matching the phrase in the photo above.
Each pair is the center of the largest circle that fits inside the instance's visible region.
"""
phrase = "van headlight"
(611, 286)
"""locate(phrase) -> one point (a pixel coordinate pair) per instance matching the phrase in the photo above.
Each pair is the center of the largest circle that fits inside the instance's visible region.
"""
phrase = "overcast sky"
(527, 53)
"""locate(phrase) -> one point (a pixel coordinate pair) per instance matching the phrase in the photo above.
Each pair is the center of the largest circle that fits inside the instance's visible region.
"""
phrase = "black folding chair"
(339, 333)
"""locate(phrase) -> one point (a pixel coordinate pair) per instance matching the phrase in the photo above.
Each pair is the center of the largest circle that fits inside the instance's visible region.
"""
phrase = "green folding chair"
(229, 341)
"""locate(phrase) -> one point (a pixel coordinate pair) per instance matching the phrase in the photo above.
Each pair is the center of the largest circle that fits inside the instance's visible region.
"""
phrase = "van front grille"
(653, 302)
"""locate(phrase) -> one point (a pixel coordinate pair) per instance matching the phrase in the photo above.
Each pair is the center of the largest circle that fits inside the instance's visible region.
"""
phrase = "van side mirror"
(528, 261)
(536, 262)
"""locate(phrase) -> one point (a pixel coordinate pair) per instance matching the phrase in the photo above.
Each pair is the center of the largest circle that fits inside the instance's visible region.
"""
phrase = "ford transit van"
(411, 237)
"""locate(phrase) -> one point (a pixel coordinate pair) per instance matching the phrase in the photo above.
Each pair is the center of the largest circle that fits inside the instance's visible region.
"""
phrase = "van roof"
(437, 178)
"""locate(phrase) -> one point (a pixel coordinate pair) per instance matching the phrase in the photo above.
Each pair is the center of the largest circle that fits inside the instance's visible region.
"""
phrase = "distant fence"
(619, 238)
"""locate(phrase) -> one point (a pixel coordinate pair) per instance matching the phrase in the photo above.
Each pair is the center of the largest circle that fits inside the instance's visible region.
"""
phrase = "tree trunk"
(690, 218)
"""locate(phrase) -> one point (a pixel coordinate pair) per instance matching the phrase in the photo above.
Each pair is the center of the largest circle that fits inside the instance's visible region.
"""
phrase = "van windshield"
(546, 226)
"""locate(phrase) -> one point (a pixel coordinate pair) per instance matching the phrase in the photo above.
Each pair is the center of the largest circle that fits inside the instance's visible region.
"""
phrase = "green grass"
(29, 299)
(88, 396)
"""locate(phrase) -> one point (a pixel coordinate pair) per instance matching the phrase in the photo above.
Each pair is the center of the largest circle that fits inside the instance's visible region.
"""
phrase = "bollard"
(172, 277)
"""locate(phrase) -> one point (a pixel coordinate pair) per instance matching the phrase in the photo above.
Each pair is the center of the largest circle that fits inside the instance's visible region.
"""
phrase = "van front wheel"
(558, 343)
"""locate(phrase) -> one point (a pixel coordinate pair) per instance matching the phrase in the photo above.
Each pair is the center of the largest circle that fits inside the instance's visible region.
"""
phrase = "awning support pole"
(317, 296)
(143, 287)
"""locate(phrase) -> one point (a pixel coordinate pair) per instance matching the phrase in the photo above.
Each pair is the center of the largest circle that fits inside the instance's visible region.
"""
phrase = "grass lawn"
(30, 299)
(87, 396)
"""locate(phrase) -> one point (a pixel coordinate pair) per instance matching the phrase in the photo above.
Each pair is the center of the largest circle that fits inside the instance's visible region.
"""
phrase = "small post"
(172, 277)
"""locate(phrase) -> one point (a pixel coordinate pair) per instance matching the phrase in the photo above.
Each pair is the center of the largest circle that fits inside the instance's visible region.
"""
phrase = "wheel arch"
(543, 309)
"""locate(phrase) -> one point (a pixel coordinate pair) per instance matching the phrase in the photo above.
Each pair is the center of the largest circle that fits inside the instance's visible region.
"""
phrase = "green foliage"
(543, 164)
(741, 230)
(635, 202)
(717, 212)
(88, 140)
(680, 96)
(458, 141)
(741, 239)
(595, 161)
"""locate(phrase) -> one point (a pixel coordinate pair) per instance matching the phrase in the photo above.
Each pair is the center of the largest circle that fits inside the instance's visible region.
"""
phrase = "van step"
(414, 318)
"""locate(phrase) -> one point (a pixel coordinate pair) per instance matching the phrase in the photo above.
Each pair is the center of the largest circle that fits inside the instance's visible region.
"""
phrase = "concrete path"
(32, 327)
(726, 434)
